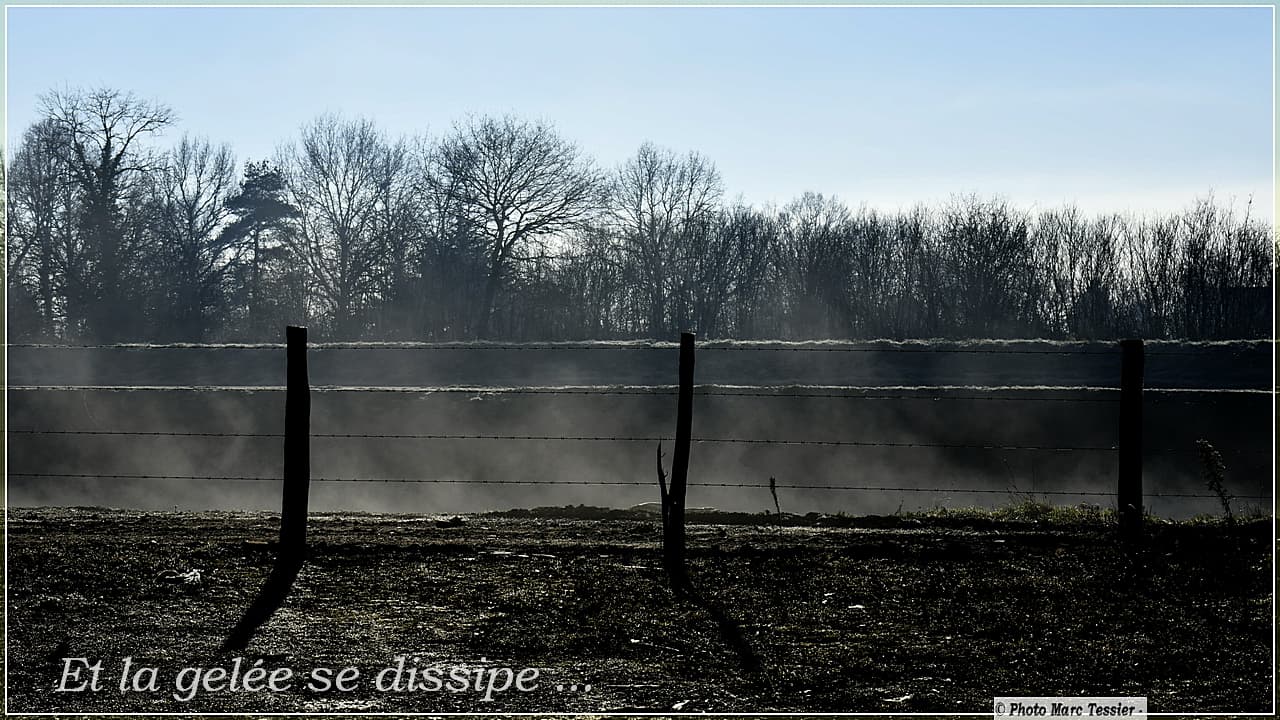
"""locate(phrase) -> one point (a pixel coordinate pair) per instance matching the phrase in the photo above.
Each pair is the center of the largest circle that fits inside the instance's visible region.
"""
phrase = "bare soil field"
(903, 614)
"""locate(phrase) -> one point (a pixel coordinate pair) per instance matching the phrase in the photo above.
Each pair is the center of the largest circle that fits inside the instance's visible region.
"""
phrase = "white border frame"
(670, 5)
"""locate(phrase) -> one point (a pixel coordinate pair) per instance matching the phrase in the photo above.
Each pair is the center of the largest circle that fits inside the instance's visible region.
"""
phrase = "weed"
(1215, 475)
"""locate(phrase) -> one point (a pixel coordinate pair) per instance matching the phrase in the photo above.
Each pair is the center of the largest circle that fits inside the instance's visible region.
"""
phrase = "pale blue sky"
(1113, 108)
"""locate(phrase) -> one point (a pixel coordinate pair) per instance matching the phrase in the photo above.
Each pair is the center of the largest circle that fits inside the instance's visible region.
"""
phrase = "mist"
(910, 425)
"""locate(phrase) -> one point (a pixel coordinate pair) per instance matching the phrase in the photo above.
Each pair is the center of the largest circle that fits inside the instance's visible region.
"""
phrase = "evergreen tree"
(263, 223)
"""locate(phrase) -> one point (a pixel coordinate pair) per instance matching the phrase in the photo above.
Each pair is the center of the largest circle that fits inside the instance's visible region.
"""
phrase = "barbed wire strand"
(621, 438)
(582, 438)
(702, 391)
(932, 395)
(918, 347)
(455, 481)
(580, 347)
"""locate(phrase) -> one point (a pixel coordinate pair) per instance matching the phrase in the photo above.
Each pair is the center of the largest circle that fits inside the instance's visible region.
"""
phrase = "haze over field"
(942, 417)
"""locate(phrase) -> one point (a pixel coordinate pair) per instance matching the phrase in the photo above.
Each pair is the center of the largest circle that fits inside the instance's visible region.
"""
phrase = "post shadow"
(269, 599)
(293, 507)
(730, 630)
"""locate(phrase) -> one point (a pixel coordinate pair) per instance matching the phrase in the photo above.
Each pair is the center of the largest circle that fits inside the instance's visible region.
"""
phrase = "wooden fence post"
(293, 503)
(1129, 491)
(297, 449)
(673, 530)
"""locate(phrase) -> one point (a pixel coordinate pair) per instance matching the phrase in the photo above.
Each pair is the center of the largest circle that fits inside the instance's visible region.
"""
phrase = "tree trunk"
(491, 284)
(46, 287)
(255, 320)
(486, 308)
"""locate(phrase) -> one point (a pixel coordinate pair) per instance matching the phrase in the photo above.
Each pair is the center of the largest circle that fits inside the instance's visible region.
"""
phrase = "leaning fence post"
(1129, 490)
(673, 531)
(297, 448)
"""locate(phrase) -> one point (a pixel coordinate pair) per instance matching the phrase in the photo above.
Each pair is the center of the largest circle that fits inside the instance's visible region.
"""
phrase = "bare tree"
(815, 264)
(593, 284)
(451, 260)
(871, 285)
(752, 236)
(103, 129)
(1078, 266)
(341, 176)
(43, 247)
(195, 255)
(1153, 254)
(517, 182)
(662, 205)
(401, 221)
(987, 253)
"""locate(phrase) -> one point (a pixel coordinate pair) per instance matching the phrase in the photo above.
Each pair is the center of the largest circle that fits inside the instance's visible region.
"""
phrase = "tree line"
(503, 229)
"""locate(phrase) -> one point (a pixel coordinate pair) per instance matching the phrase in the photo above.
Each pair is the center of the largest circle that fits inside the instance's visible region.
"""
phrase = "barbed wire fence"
(929, 394)
(607, 483)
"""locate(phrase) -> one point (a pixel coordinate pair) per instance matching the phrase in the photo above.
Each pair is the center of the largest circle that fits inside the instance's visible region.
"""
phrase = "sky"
(1113, 109)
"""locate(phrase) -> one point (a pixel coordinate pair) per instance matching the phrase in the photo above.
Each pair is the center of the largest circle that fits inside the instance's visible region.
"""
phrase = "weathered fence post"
(297, 449)
(1129, 491)
(293, 503)
(673, 529)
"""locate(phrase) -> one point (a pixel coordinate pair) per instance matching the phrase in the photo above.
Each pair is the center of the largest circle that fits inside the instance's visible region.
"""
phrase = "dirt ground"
(892, 614)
